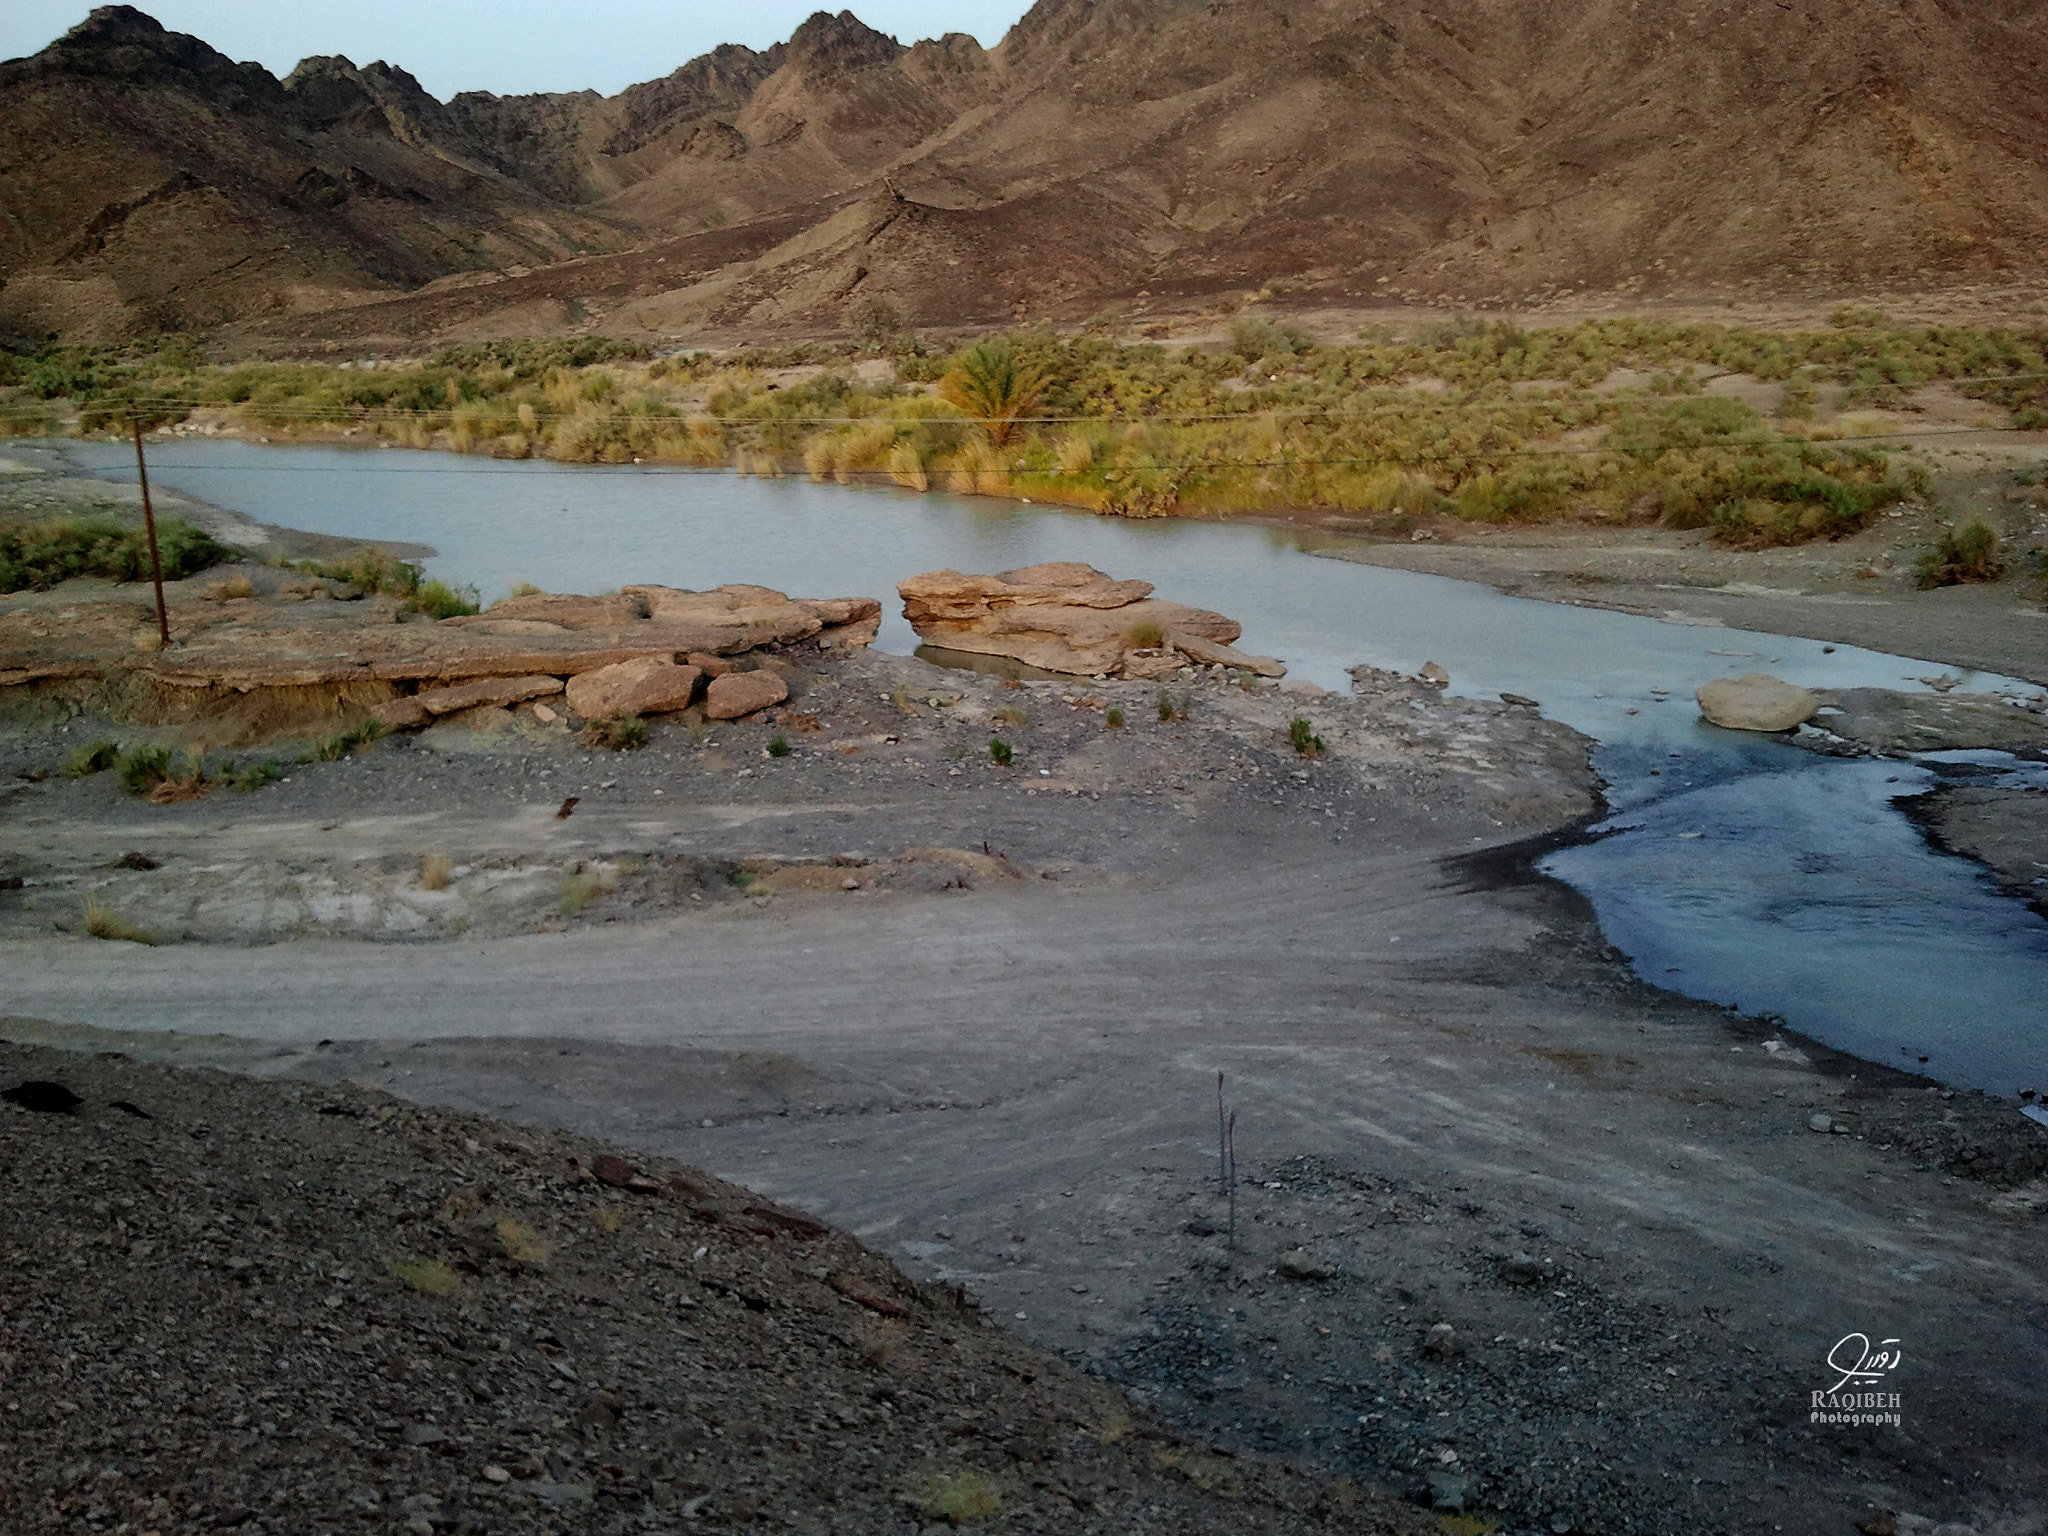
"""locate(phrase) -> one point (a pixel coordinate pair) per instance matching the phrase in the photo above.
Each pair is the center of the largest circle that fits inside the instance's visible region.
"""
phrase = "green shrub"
(97, 758)
(778, 745)
(438, 600)
(1113, 717)
(1969, 553)
(1000, 754)
(141, 769)
(36, 556)
(331, 749)
(617, 734)
(1302, 737)
(995, 384)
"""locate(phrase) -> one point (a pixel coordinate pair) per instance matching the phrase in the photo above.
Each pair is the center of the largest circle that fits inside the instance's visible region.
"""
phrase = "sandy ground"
(995, 1058)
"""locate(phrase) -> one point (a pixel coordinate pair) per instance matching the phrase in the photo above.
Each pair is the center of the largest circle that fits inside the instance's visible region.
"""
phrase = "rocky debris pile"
(1890, 721)
(1756, 701)
(282, 1307)
(1069, 617)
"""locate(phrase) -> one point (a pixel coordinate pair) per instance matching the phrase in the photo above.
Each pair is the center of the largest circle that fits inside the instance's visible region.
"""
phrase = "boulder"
(1756, 702)
(403, 714)
(742, 693)
(487, 690)
(1071, 618)
(652, 685)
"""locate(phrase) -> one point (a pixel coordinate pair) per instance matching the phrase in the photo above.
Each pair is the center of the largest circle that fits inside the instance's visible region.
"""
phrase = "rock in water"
(742, 693)
(1068, 617)
(1756, 702)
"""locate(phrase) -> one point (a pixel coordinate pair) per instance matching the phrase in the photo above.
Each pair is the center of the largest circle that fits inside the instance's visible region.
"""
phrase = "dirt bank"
(239, 1305)
(975, 1014)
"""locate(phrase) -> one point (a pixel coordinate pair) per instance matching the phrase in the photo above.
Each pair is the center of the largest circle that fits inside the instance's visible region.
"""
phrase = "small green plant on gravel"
(956, 1496)
(1302, 737)
(97, 758)
(1971, 552)
(778, 745)
(1113, 717)
(102, 922)
(332, 749)
(617, 733)
(255, 776)
(141, 769)
(1174, 706)
(580, 888)
(430, 1277)
(521, 1243)
(1000, 754)
(1010, 714)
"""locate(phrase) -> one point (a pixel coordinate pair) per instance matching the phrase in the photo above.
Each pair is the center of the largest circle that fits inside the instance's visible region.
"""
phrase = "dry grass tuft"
(437, 872)
(237, 585)
(430, 1277)
(102, 922)
(956, 1496)
(521, 1243)
(608, 1218)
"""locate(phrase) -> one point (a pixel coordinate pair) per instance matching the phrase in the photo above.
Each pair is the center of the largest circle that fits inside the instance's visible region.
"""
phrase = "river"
(1735, 868)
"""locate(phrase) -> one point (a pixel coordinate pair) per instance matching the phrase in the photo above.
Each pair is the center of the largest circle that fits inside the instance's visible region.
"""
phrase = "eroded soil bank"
(976, 1014)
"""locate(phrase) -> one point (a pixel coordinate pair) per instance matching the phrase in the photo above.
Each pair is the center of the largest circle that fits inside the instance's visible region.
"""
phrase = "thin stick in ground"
(156, 564)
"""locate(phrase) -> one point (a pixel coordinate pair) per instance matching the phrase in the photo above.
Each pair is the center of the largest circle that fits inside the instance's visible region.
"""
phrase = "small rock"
(1879, 1524)
(1820, 1123)
(1523, 1270)
(739, 694)
(545, 715)
(496, 1474)
(424, 1434)
(1525, 703)
(620, 1174)
(44, 1098)
(1299, 1266)
(1434, 675)
(600, 1413)
(1442, 1341)
(1449, 1489)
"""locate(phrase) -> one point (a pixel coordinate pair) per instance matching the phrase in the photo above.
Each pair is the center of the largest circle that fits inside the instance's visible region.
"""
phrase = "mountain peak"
(841, 42)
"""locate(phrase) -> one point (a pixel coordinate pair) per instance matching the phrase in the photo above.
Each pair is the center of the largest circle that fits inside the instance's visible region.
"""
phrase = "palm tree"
(994, 385)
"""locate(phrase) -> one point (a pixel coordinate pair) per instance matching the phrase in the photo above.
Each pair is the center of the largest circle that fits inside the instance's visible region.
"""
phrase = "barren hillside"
(1351, 149)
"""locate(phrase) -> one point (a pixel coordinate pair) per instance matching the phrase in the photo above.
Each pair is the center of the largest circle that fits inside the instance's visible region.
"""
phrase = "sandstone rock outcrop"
(738, 694)
(1756, 701)
(1068, 617)
(650, 686)
(487, 690)
(246, 646)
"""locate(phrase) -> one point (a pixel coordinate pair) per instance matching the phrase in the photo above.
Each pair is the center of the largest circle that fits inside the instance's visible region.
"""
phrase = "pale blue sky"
(507, 46)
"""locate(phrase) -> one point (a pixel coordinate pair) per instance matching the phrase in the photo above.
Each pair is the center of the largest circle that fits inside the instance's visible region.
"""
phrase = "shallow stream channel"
(1734, 868)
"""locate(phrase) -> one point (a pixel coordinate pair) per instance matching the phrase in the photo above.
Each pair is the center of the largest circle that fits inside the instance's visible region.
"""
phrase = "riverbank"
(974, 1013)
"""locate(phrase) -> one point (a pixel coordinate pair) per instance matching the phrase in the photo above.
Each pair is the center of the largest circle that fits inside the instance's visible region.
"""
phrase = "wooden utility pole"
(156, 564)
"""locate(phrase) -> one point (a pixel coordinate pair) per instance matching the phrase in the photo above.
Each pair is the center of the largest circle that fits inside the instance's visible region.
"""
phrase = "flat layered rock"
(494, 691)
(1069, 617)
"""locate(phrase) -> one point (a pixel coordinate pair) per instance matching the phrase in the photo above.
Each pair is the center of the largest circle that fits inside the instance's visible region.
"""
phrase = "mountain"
(1104, 152)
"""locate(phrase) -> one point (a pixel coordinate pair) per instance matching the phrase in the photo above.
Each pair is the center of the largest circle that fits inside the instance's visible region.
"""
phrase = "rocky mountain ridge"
(1105, 151)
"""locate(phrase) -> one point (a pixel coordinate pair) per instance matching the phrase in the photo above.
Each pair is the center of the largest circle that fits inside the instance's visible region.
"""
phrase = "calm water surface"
(1740, 870)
